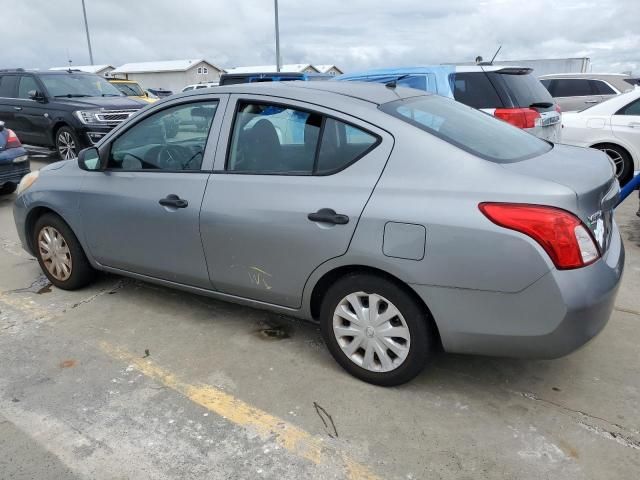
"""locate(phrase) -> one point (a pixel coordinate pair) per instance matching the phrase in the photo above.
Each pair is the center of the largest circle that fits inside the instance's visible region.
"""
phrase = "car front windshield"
(467, 128)
(129, 89)
(78, 85)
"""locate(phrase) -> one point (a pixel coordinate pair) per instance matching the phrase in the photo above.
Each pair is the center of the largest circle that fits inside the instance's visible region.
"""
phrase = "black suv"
(66, 110)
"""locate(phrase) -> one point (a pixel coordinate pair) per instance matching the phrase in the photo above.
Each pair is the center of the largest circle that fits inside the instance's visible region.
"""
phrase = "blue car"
(14, 161)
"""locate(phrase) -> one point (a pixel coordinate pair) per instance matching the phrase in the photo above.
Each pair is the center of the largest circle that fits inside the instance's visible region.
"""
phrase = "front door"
(29, 115)
(287, 195)
(141, 214)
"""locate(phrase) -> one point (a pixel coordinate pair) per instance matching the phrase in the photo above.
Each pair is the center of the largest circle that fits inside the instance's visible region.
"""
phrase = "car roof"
(423, 69)
(585, 75)
(22, 71)
(375, 93)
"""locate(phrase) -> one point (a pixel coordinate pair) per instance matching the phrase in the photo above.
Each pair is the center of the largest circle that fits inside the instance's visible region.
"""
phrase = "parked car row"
(403, 222)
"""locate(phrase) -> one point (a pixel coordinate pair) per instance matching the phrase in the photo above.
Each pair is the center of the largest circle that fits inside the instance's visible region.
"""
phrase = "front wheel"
(60, 255)
(66, 143)
(621, 159)
(375, 330)
(8, 188)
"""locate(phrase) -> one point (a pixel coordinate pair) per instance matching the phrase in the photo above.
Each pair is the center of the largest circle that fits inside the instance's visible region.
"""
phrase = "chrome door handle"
(17, 108)
(634, 124)
(591, 101)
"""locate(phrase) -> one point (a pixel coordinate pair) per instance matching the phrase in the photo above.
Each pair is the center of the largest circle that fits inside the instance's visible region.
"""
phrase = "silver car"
(402, 222)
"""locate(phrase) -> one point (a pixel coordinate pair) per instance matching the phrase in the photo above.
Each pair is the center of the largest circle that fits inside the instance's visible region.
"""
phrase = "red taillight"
(558, 109)
(12, 140)
(518, 117)
(562, 235)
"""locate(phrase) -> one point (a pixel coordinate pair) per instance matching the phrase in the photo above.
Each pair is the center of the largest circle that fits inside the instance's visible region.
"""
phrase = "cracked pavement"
(228, 392)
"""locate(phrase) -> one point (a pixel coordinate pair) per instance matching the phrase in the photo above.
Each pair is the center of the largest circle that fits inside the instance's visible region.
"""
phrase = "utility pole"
(86, 27)
(277, 36)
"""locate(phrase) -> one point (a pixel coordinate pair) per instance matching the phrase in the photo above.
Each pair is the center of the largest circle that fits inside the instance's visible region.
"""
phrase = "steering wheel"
(169, 157)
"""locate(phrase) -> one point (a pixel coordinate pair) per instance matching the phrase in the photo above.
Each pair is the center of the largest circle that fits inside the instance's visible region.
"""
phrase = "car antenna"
(394, 83)
(496, 54)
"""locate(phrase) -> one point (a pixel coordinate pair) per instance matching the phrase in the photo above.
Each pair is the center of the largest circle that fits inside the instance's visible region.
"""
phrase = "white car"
(612, 126)
(198, 86)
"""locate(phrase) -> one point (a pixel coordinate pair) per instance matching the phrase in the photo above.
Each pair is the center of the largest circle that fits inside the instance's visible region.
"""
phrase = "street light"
(277, 36)
(86, 27)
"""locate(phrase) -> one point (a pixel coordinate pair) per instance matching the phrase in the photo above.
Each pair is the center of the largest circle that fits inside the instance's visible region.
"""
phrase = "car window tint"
(469, 129)
(632, 81)
(631, 109)
(523, 89)
(173, 139)
(341, 145)
(418, 82)
(475, 89)
(547, 84)
(601, 88)
(571, 87)
(273, 139)
(25, 85)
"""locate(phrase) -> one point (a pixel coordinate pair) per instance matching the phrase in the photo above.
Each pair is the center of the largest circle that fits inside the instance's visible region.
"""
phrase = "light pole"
(277, 36)
(86, 27)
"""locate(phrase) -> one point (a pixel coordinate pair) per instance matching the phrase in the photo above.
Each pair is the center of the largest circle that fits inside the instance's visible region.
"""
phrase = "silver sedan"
(402, 222)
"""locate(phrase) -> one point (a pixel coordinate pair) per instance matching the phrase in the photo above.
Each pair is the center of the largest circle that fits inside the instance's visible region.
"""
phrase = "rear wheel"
(375, 330)
(60, 255)
(621, 159)
(66, 143)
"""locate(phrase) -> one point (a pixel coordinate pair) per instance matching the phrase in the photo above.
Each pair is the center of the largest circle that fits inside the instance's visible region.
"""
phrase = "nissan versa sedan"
(402, 222)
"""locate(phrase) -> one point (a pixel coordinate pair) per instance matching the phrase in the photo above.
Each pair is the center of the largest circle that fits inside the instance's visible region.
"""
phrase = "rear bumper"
(551, 318)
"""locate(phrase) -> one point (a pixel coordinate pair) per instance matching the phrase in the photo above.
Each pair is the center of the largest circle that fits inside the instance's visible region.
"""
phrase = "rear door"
(625, 124)
(7, 94)
(574, 94)
(288, 190)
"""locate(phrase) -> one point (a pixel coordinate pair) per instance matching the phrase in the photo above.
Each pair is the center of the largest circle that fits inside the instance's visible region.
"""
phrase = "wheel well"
(596, 145)
(55, 129)
(30, 223)
(332, 276)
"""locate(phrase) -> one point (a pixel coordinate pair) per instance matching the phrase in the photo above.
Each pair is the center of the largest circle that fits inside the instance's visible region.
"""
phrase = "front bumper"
(89, 135)
(551, 318)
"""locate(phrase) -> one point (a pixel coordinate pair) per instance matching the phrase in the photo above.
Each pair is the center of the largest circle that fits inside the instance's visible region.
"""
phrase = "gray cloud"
(354, 34)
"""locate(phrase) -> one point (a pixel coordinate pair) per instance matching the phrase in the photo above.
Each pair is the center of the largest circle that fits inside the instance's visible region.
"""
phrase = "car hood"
(107, 103)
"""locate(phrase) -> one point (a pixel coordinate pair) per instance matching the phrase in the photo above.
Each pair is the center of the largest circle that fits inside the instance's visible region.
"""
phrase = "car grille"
(114, 117)
(13, 172)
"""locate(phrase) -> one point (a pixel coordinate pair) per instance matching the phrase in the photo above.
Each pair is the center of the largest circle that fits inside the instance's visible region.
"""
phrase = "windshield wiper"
(394, 83)
(72, 95)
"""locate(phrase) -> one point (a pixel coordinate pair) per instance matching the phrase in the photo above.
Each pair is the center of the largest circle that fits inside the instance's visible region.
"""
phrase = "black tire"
(420, 324)
(8, 188)
(611, 149)
(63, 136)
(81, 271)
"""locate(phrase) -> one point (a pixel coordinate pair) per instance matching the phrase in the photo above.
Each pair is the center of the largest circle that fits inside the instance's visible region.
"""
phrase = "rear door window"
(601, 88)
(475, 89)
(342, 144)
(572, 87)
(467, 128)
(277, 139)
(631, 109)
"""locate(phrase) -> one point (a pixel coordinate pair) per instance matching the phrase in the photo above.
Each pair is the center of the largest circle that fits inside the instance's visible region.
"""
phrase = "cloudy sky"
(353, 34)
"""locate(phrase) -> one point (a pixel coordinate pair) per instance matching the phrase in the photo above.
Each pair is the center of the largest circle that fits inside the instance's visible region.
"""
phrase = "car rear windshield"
(521, 87)
(632, 81)
(467, 128)
(129, 89)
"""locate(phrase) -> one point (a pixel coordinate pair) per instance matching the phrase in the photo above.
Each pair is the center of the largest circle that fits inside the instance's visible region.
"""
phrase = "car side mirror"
(36, 95)
(89, 159)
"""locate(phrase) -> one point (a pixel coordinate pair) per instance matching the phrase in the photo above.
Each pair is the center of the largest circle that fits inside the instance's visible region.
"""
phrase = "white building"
(103, 70)
(330, 69)
(169, 75)
(292, 67)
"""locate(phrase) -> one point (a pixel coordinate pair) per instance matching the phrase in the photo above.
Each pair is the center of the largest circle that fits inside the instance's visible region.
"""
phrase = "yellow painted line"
(26, 306)
(292, 438)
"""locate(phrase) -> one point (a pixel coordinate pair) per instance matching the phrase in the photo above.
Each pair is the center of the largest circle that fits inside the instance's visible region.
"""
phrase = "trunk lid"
(589, 173)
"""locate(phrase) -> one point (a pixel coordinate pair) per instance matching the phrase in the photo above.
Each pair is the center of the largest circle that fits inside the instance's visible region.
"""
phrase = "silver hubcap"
(55, 253)
(66, 146)
(371, 332)
(617, 160)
